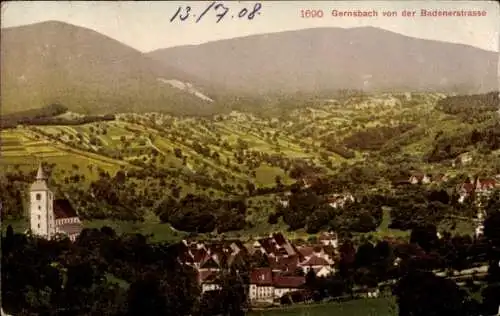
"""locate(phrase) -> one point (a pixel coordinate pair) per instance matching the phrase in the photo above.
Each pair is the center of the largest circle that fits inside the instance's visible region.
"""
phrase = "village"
(277, 266)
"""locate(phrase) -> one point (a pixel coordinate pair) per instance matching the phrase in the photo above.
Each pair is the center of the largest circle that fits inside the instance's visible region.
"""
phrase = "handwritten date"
(184, 13)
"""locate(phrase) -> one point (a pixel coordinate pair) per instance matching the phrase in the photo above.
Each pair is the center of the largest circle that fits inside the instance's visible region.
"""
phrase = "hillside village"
(279, 265)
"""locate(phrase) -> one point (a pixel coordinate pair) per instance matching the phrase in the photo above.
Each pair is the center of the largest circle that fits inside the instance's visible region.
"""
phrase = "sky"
(146, 26)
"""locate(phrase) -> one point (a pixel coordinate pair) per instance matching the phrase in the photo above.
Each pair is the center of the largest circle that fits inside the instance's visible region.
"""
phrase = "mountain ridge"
(357, 54)
(317, 28)
(57, 62)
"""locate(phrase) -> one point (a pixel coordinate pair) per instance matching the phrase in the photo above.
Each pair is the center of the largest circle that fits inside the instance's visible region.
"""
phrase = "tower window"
(38, 225)
(39, 207)
(38, 196)
(39, 217)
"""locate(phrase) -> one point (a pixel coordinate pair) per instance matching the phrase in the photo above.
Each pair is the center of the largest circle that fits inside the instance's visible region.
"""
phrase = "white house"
(49, 217)
(339, 200)
(329, 238)
(266, 287)
(261, 285)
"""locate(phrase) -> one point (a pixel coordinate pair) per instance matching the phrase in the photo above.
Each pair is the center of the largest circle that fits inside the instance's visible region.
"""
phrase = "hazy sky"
(146, 26)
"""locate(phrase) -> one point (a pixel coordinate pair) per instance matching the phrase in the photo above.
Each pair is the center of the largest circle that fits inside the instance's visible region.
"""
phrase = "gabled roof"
(290, 282)
(199, 255)
(267, 244)
(186, 257)
(237, 259)
(203, 275)
(209, 263)
(211, 278)
(261, 276)
(71, 229)
(486, 183)
(279, 238)
(329, 250)
(284, 263)
(306, 251)
(63, 209)
(467, 187)
(315, 261)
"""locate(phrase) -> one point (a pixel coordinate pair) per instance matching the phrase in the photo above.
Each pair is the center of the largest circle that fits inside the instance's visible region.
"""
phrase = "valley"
(360, 144)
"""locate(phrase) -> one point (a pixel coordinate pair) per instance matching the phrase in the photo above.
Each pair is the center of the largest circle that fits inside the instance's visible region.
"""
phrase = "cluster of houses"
(478, 188)
(276, 266)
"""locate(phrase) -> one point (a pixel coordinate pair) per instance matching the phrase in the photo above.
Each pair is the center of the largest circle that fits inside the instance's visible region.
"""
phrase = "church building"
(49, 216)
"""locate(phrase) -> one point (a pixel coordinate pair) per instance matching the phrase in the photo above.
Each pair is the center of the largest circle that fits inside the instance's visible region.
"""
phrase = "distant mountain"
(335, 58)
(55, 62)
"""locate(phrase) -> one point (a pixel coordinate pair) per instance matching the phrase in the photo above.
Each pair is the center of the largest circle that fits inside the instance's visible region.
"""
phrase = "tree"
(425, 294)
(491, 299)
(425, 236)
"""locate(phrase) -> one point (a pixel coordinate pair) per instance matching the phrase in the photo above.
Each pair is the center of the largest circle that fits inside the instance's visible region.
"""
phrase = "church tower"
(42, 221)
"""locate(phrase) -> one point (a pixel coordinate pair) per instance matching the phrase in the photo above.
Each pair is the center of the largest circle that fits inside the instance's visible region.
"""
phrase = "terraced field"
(239, 149)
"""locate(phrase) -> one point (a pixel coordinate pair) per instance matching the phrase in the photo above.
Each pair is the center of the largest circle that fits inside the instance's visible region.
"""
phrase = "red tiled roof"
(419, 176)
(330, 250)
(486, 183)
(63, 209)
(317, 248)
(266, 243)
(185, 257)
(279, 238)
(467, 187)
(211, 278)
(261, 276)
(284, 263)
(203, 275)
(306, 251)
(209, 263)
(236, 259)
(289, 281)
(199, 255)
(71, 229)
(315, 261)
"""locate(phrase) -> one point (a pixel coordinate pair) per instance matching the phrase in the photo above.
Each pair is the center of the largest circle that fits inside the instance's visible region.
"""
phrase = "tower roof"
(40, 183)
(40, 175)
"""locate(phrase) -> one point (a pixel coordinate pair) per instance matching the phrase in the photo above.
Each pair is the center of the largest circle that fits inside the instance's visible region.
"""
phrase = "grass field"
(360, 307)
(161, 232)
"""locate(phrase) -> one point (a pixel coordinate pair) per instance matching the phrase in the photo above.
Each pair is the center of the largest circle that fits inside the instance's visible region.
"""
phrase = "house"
(440, 177)
(479, 230)
(329, 239)
(309, 180)
(479, 187)
(49, 217)
(276, 245)
(284, 264)
(266, 287)
(317, 263)
(261, 285)
(323, 271)
(284, 202)
(339, 200)
(208, 281)
(465, 190)
(485, 186)
(286, 284)
(420, 178)
(462, 159)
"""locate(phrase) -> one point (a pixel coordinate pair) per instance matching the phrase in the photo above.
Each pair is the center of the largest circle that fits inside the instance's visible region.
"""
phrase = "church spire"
(40, 175)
